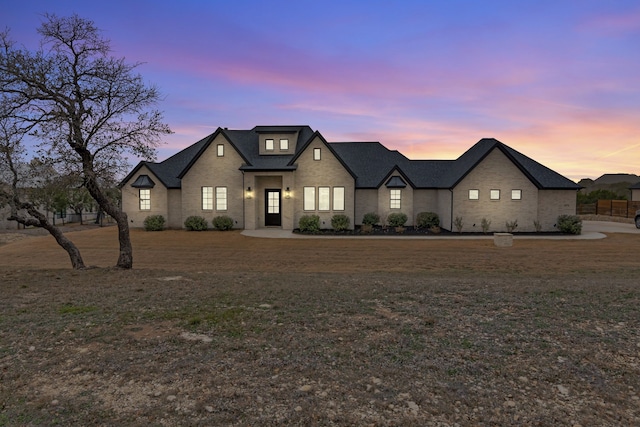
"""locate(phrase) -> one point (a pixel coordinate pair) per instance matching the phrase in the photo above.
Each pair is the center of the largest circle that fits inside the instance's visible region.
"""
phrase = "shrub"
(309, 223)
(511, 226)
(195, 223)
(371, 218)
(397, 219)
(222, 223)
(154, 223)
(485, 224)
(427, 220)
(458, 223)
(340, 222)
(570, 224)
(537, 225)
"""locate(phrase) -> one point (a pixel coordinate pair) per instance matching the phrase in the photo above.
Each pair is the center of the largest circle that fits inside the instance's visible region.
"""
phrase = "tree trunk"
(125, 259)
(39, 220)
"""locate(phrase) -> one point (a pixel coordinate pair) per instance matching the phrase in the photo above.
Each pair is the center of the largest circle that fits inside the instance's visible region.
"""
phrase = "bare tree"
(23, 210)
(88, 108)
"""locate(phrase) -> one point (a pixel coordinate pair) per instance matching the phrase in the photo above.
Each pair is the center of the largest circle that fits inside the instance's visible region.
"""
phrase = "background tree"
(89, 110)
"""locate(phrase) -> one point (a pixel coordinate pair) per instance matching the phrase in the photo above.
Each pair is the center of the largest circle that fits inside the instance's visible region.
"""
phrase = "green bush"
(397, 219)
(222, 223)
(154, 223)
(570, 224)
(309, 223)
(427, 220)
(371, 218)
(340, 222)
(195, 223)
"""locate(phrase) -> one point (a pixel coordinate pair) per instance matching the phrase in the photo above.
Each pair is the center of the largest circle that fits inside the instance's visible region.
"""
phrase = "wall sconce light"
(287, 193)
(248, 194)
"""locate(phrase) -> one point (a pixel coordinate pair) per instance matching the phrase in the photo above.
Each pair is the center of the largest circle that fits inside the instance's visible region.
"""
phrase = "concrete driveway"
(608, 227)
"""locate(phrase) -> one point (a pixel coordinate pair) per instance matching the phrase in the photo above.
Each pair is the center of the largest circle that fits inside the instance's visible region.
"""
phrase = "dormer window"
(268, 144)
(284, 144)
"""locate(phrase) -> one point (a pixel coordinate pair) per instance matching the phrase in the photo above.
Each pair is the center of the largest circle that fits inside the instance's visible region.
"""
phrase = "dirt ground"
(215, 328)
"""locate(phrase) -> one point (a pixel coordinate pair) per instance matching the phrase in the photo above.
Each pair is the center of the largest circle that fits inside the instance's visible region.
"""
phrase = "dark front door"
(272, 215)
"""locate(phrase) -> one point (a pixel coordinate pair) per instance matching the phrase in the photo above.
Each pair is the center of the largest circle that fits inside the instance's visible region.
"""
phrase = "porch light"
(287, 193)
(249, 193)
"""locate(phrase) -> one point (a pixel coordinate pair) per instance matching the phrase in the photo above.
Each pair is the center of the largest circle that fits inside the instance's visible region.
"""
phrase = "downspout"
(244, 201)
(451, 219)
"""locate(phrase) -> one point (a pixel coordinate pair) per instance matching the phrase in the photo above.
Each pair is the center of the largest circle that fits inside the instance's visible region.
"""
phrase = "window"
(309, 203)
(338, 198)
(145, 199)
(316, 154)
(207, 198)
(516, 194)
(494, 194)
(284, 144)
(220, 150)
(324, 198)
(396, 196)
(221, 198)
(474, 194)
(268, 144)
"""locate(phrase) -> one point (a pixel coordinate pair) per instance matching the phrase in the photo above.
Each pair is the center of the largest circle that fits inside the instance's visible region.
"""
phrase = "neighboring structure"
(635, 192)
(270, 176)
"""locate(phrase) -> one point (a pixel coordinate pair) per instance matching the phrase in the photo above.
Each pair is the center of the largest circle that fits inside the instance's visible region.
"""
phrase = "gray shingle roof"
(370, 163)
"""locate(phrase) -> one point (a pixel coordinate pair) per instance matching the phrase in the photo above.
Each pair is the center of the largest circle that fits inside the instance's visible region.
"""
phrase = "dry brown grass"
(220, 329)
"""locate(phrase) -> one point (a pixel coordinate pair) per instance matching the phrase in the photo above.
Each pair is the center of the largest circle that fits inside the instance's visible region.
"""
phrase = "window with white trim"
(474, 194)
(268, 144)
(309, 202)
(220, 150)
(324, 198)
(145, 199)
(316, 154)
(396, 198)
(516, 194)
(338, 198)
(207, 198)
(494, 194)
(284, 144)
(221, 198)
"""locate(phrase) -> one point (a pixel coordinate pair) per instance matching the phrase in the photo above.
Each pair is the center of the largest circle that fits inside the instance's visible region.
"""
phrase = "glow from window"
(338, 198)
(324, 198)
(207, 198)
(316, 154)
(220, 150)
(516, 194)
(494, 194)
(284, 144)
(221, 198)
(396, 197)
(474, 194)
(145, 199)
(309, 203)
(268, 144)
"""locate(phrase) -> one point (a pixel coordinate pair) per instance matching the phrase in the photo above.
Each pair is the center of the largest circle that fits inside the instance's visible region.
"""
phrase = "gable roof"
(541, 176)
(370, 163)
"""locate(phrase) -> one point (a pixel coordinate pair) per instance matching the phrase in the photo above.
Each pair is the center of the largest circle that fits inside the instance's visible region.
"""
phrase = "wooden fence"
(619, 208)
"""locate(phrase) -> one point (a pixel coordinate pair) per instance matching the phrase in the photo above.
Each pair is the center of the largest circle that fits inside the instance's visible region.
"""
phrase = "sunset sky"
(556, 80)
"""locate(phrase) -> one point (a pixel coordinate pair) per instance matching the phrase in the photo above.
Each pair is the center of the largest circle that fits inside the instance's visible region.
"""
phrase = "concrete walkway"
(590, 230)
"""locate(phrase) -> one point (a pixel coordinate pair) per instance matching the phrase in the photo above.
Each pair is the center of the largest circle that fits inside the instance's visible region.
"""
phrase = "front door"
(272, 215)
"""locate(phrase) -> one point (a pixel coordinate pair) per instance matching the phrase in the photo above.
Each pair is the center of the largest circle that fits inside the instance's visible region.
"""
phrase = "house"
(270, 176)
